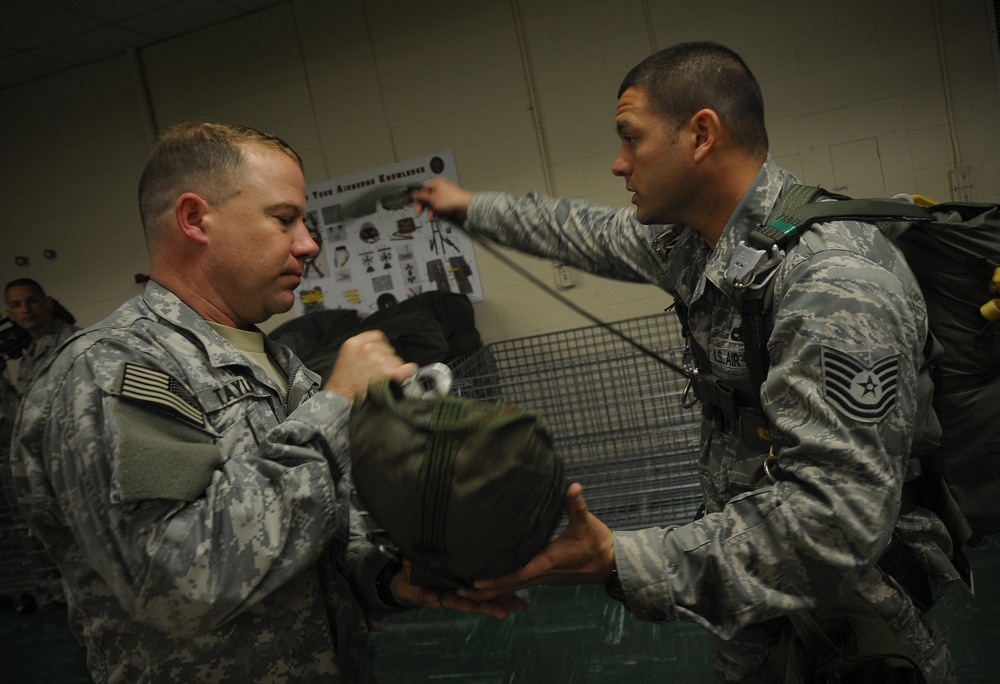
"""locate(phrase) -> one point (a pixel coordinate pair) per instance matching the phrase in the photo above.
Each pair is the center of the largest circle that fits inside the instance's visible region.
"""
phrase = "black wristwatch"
(613, 586)
(383, 582)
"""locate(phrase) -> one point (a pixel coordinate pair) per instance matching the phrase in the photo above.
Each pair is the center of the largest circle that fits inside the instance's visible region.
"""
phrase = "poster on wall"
(374, 251)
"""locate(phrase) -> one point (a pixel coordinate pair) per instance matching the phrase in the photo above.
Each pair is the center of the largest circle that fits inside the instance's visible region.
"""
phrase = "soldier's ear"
(191, 213)
(705, 128)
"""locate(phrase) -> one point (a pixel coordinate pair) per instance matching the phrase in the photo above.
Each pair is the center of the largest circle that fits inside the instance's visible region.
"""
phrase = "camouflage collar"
(751, 212)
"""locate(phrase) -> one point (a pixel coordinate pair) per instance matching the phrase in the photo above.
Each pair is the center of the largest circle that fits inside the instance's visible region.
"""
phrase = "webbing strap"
(796, 197)
(755, 341)
(798, 208)
(777, 230)
(436, 471)
(866, 210)
(781, 226)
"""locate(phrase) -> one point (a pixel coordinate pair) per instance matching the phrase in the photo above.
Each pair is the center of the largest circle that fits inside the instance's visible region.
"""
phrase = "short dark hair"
(199, 157)
(23, 282)
(684, 78)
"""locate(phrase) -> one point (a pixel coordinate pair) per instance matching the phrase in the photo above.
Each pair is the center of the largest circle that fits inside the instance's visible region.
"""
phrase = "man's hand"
(499, 607)
(365, 357)
(441, 197)
(583, 554)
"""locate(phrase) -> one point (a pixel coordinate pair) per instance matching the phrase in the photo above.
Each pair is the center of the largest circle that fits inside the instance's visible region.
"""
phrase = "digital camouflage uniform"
(31, 358)
(30, 361)
(762, 550)
(191, 507)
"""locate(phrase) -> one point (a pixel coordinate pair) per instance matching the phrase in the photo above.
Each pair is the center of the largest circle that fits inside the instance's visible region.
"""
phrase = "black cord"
(485, 244)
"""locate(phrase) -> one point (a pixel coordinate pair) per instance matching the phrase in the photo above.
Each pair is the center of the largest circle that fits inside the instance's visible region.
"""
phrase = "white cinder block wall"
(870, 96)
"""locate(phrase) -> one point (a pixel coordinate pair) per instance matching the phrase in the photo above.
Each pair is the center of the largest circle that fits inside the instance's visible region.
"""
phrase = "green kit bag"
(463, 490)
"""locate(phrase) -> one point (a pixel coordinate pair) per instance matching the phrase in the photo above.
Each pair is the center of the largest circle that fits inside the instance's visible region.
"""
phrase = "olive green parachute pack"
(458, 490)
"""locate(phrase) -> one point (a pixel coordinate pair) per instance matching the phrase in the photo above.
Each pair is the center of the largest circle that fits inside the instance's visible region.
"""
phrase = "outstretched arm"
(605, 241)
(441, 197)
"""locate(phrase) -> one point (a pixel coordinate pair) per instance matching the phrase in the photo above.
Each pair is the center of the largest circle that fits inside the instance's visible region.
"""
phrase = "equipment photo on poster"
(374, 252)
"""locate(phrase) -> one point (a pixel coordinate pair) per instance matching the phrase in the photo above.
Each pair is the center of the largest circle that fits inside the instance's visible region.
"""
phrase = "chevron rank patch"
(865, 393)
(156, 387)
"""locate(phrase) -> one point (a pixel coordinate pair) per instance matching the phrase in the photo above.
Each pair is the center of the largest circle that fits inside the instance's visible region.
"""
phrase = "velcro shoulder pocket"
(161, 457)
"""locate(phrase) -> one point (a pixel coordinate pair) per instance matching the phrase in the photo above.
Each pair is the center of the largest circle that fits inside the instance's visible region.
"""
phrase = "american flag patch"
(865, 393)
(156, 387)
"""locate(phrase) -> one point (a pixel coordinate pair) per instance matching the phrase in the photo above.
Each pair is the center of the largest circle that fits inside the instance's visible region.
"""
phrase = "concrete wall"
(872, 97)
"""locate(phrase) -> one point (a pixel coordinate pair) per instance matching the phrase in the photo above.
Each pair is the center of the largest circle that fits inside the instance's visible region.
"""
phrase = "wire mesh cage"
(26, 571)
(615, 413)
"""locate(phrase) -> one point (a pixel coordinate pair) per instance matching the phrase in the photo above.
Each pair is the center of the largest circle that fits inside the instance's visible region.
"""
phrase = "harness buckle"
(748, 263)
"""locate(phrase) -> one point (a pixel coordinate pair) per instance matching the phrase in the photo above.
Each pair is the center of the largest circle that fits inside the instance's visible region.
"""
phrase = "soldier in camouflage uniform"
(694, 153)
(183, 470)
(29, 307)
(48, 326)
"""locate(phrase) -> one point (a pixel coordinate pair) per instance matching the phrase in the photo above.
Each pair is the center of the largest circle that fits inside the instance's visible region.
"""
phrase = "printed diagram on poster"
(374, 250)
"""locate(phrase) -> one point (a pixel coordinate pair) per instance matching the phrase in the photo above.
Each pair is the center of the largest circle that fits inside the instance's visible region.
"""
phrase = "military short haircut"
(24, 282)
(682, 79)
(204, 158)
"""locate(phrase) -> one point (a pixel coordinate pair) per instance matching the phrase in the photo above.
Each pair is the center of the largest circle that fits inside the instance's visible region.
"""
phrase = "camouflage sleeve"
(600, 240)
(188, 527)
(841, 392)
(364, 561)
(8, 398)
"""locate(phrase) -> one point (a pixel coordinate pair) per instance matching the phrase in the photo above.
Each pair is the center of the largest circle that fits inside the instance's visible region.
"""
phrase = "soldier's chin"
(285, 303)
(644, 217)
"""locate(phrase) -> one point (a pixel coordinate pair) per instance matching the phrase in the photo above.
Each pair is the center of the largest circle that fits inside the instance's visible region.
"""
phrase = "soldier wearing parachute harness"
(796, 516)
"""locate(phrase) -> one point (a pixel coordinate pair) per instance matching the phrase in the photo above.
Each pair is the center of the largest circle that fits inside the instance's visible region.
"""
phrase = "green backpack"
(460, 490)
(954, 251)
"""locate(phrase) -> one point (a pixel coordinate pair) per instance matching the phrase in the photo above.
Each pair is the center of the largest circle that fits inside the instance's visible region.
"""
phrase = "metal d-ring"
(771, 463)
(428, 382)
(685, 401)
